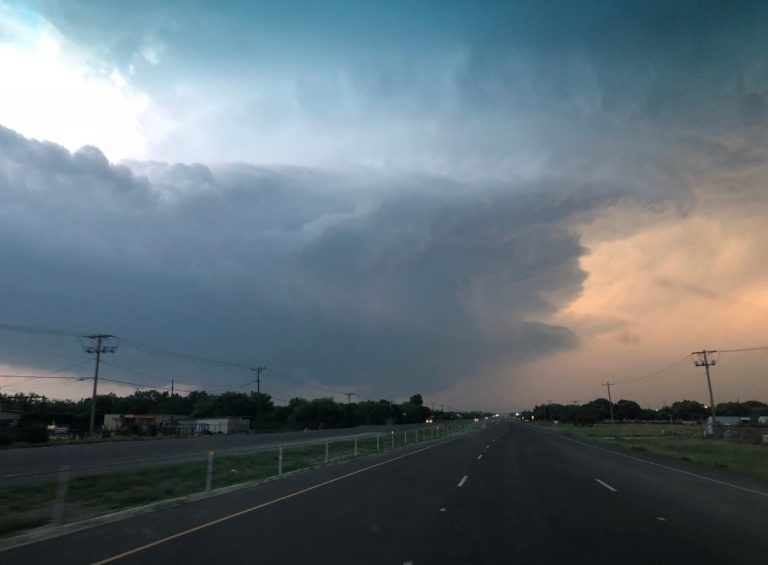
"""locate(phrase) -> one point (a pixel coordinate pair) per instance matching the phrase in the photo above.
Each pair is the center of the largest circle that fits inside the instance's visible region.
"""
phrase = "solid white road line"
(463, 480)
(606, 485)
(260, 506)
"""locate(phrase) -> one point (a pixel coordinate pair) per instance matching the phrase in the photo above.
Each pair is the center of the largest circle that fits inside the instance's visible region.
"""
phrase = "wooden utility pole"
(706, 362)
(98, 349)
(258, 395)
(610, 400)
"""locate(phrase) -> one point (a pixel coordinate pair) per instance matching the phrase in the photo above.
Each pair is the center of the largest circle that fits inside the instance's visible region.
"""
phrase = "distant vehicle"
(428, 421)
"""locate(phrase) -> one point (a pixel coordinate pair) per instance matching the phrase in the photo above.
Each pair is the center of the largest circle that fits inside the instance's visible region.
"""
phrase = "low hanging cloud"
(389, 281)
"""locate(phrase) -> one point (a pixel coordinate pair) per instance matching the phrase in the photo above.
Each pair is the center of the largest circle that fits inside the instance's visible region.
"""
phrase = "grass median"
(27, 507)
(676, 443)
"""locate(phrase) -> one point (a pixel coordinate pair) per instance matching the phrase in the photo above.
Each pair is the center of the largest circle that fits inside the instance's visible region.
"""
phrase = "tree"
(417, 400)
(628, 410)
(600, 408)
(688, 410)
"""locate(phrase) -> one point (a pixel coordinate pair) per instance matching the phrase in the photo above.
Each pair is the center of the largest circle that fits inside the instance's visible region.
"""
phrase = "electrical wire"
(760, 348)
(162, 352)
(33, 330)
(165, 379)
(654, 373)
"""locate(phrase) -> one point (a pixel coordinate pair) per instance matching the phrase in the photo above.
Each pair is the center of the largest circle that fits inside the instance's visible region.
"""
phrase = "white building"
(214, 426)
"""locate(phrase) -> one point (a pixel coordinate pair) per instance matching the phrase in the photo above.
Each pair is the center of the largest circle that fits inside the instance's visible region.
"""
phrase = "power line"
(305, 384)
(222, 387)
(138, 385)
(47, 375)
(655, 373)
(162, 352)
(761, 348)
(33, 330)
(31, 377)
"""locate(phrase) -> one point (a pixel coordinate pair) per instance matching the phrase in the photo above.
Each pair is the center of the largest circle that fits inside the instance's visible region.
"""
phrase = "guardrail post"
(392, 433)
(355, 446)
(280, 461)
(378, 438)
(326, 452)
(209, 473)
(57, 516)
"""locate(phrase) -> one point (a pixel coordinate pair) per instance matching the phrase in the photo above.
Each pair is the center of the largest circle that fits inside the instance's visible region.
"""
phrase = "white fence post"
(326, 452)
(378, 438)
(405, 437)
(61, 495)
(280, 461)
(393, 438)
(209, 473)
(355, 446)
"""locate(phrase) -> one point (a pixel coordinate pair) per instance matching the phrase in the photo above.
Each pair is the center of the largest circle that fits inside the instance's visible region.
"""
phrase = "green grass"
(677, 443)
(26, 507)
(22, 508)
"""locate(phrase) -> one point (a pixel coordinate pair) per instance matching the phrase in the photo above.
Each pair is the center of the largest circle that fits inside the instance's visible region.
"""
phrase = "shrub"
(33, 433)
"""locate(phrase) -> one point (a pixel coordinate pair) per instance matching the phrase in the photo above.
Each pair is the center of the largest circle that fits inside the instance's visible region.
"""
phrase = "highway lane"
(23, 465)
(509, 494)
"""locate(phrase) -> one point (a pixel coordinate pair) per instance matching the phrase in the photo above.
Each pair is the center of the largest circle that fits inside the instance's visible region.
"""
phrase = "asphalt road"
(33, 464)
(509, 494)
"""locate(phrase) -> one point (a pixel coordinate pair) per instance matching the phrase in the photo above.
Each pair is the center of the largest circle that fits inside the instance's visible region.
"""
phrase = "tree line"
(629, 410)
(299, 413)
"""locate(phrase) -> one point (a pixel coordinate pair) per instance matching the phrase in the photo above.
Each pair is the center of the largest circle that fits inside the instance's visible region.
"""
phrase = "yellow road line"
(257, 507)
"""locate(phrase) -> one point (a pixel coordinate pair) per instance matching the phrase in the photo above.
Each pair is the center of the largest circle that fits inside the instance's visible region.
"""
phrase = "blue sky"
(496, 202)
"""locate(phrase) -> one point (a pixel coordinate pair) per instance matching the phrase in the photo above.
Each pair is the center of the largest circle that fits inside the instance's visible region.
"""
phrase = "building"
(222, 425)
(115, 422)
(727, 421)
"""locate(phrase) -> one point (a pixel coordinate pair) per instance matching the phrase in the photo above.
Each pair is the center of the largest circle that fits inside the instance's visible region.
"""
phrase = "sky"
(494, 205)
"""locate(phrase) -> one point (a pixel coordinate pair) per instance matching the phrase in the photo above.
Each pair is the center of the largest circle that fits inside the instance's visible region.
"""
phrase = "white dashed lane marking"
(606, 485)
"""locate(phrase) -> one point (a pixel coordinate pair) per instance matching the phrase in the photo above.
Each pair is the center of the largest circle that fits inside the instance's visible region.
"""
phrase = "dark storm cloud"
(388, 279)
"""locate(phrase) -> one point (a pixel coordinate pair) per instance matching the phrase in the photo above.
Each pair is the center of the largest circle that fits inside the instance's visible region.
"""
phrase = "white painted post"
(61, 494)
(355, 446)
(378, 438)
(280, 461)
(405, 437)
(209, 473)
(393, 438)
(326, 452)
